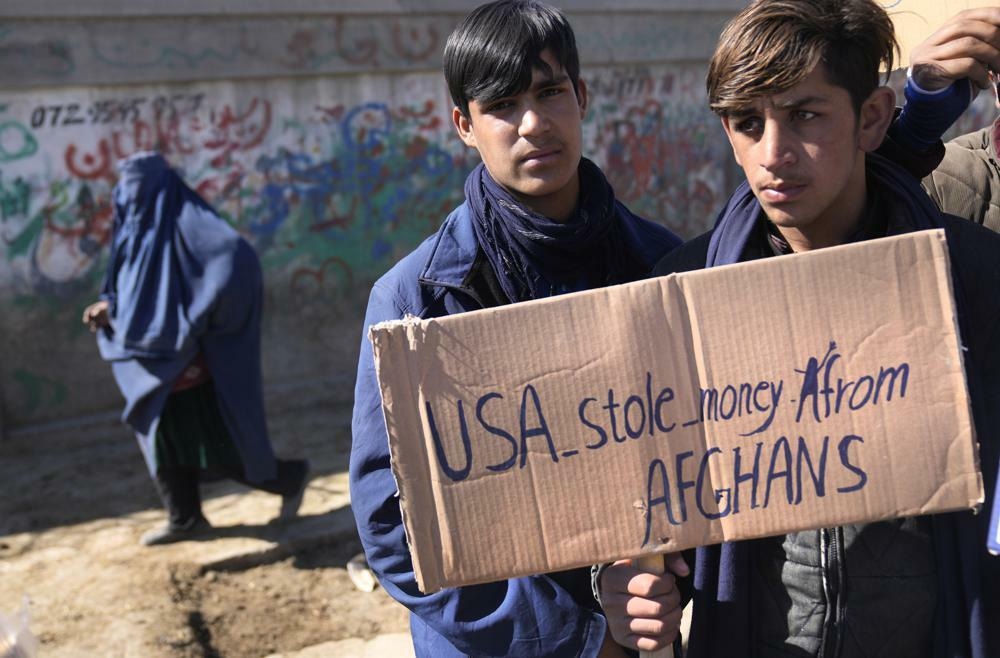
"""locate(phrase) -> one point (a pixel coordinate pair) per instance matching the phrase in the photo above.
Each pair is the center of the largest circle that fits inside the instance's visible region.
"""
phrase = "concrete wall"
(320, 130)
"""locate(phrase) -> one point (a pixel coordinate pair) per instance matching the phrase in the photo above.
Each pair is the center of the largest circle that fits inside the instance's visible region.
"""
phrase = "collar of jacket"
(991, 145)
(452, 256)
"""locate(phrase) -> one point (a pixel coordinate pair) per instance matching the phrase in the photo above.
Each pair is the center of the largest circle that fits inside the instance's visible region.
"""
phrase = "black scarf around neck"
(534, 256)
(916, 212)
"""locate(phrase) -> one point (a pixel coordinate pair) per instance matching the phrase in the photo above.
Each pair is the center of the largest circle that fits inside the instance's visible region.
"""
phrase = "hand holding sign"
(643, 608)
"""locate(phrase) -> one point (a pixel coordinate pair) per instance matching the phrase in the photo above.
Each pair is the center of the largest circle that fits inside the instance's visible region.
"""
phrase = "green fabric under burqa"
(192, 434)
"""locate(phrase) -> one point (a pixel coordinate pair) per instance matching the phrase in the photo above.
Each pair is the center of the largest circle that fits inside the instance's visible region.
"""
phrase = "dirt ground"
(75, 500)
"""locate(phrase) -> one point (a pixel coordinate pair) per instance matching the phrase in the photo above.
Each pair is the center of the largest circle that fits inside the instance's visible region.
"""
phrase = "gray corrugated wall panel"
(116, 51)
(85, 8)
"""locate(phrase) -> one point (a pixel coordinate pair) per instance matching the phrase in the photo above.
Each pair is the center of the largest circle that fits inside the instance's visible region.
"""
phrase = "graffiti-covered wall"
(323, 135)
(325, 138)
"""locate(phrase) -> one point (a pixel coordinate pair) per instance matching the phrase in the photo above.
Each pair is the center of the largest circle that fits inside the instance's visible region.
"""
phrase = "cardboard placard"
(756, 399)
(915, 20)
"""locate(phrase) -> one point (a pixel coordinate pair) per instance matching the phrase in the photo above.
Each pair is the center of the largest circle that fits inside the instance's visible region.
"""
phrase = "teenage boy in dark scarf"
(538, 220)
(796, 83)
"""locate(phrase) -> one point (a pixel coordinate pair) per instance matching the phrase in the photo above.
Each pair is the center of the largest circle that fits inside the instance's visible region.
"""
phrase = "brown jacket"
(967, 182)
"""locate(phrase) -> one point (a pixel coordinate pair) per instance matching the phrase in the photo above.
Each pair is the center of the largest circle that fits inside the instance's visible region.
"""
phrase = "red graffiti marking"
(414, 44)
(141, 139)
(362, 49)
(331, 113)
(428, 113)
(302, 48)
(92, 219)
(416, 148)
(637, 146)
(100, 164)
(223, 188)
(306, 281)
(172, 135)
(337, 221)
(233, 131)
(92, 166)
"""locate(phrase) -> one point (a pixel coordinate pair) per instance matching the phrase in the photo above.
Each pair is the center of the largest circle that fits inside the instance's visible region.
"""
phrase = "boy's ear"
(875, 118)
(729, 135)
(581, 96)
(463, 126)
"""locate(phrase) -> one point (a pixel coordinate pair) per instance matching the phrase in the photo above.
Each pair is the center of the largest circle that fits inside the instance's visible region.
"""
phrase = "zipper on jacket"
(831, 541)
(840, 559)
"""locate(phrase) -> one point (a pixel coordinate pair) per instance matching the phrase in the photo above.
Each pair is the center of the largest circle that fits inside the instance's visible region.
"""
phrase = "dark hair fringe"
(493, 52)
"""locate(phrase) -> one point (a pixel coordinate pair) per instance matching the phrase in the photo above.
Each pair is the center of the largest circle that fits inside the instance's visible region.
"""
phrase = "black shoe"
(299, 478)
(196, 528)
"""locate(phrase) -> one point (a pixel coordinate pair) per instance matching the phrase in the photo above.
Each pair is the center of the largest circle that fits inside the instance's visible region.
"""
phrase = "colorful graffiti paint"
(332, 180)
(320, 187)
(662, 149)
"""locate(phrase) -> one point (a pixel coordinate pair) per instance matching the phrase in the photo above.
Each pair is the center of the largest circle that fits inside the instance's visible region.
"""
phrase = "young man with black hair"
(538, 220)
(796, 84)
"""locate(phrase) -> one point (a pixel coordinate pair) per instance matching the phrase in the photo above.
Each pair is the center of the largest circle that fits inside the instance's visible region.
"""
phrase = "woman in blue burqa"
(179, 321)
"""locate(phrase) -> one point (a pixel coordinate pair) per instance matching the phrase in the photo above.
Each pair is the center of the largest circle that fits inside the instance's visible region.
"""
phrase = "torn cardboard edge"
(619, 422)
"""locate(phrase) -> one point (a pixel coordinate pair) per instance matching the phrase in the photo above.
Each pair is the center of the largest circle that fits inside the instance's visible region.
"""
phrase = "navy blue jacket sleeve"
(530, 616)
